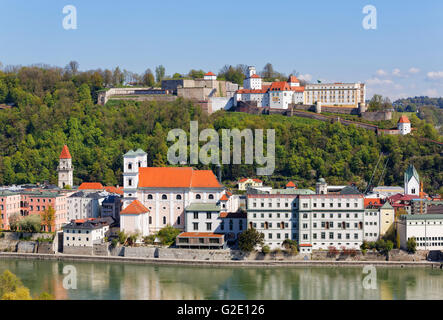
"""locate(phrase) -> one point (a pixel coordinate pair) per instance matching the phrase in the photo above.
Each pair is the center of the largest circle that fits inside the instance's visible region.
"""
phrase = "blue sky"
(321, 39)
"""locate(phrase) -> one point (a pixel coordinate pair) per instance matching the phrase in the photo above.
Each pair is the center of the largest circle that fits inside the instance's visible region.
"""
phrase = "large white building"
(83, 205)
(327, 220)
(278, 95)
(336, 94)
(281, 94)
(85, 232)
(427, 229)
(166, 191)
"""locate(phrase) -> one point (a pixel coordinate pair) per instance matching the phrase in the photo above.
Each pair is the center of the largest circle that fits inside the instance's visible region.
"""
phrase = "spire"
(65, 153)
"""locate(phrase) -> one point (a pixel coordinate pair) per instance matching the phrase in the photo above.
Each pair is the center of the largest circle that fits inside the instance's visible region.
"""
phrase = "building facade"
(10, 204)
(427, 229)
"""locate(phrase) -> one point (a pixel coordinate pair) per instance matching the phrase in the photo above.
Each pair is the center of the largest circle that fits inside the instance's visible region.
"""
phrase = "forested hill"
(52, 108)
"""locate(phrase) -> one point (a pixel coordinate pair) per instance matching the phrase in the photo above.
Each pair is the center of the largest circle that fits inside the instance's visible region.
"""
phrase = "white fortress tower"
(412, 181)
(321, 187)
(404, 125)
(65, 169)
(253, 81)
(132, 160)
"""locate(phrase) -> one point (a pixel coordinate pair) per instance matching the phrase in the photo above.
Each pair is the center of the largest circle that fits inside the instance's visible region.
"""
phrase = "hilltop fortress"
(257, 95)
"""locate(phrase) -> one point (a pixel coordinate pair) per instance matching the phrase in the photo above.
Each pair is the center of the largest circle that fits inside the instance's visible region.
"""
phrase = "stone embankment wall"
(394, 255)
(14, 242)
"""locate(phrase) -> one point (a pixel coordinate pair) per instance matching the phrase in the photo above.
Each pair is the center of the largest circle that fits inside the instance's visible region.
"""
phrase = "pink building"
(9, 205)
(35, 202)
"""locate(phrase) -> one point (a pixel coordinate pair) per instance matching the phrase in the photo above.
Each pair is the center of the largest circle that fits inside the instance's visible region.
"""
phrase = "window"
(208, 226)
(149, 196)
(150, 220)
(208, 215)
(130, 182)
(195, 226)
(178, 220)
(164, 220)
(211, 196)
(164, 197)
(198, 197)
(178, 197)
(195, 215)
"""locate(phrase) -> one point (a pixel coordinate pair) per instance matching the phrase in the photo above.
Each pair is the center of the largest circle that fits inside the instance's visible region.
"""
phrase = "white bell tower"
(65, 169)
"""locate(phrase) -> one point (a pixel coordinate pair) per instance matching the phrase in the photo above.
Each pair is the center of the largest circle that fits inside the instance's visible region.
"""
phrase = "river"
(101, 280)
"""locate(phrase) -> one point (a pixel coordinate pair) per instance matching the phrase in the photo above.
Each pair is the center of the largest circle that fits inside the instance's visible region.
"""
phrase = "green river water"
(100, 280)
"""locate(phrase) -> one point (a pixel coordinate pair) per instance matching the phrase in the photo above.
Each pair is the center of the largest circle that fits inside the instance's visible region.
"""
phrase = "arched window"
(149, 196)
(198, 196)
(178, 197)
(164, 197)
(130, 166)
(150, 220)
(164, 220)
(139, 164)
(178, 220)
(211, 196)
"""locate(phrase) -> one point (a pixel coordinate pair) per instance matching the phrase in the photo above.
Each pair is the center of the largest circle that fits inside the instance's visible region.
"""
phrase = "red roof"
(305, 245)
(404, 119)
(290, 184)
(298, 89)
(293, 79)
(65, 153)
(263, 89)
(224, 198)
(280, 86)
(200, 235)
(209, 74)
(233, 215)
(176, 177)
(112, 189)
(135, 207)
(256, 76)
(91, 186)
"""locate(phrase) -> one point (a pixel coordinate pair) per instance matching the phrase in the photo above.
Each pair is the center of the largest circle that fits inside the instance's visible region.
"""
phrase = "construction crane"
(373, 173)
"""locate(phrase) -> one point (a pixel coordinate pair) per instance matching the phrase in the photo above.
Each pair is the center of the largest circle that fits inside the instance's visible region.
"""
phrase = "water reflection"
(131, 281)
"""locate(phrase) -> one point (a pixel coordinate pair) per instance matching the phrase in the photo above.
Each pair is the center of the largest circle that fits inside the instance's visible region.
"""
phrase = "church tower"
(65, 169)
(412, 181)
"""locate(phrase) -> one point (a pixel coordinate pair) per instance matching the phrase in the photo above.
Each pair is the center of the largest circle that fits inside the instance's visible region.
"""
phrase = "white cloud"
(379, 82)
(396, 72)
(381, 73)
(306, 77)
(435, 75)
(414, 70)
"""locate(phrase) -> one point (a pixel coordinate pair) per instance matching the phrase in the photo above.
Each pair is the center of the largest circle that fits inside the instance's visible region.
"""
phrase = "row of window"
(432, 244)
(195, 225)
(277, 215)
(179, 197)
(331, 215)
(331, 205)
(331, 236)
(79, 239)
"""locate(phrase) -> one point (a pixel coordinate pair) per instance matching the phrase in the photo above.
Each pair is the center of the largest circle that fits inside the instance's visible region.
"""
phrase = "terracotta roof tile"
(290, 184)
(404, 119)
(112, 189)
(135, 207)
(209, 74)
(65, 153)
(91, 186)
(224, 198)
(176, 177)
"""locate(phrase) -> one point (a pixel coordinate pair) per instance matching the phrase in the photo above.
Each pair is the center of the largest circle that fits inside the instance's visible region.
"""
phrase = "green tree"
(411, 245)
(249, 239)
(31, 223)
(160, 73)
(148, 78)
(48, 218)
(168, 234)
